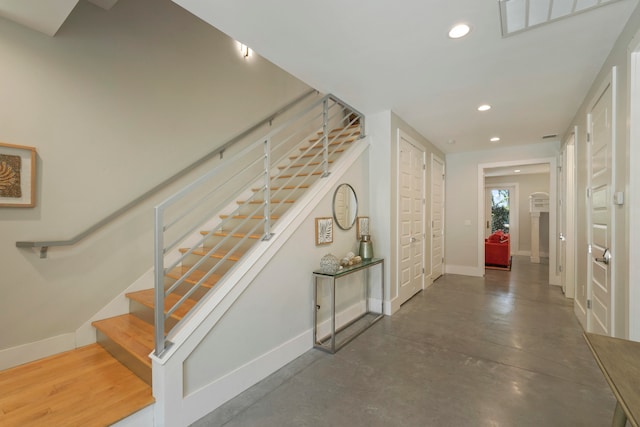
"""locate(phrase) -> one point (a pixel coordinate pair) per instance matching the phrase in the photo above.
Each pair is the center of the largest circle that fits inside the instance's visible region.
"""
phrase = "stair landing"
(82, 387)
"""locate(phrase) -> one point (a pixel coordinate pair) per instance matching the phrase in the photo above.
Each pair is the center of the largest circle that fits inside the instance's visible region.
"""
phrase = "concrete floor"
(505, 350)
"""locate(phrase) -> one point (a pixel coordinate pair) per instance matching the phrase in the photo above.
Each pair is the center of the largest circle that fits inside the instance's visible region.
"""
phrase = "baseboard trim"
(25, 353)
(465, 270)
(144, 417)
(201, 402)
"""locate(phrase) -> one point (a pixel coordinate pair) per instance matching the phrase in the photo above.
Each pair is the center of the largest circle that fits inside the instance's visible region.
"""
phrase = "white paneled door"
(437, 217)
(411, 196)
(599, 218)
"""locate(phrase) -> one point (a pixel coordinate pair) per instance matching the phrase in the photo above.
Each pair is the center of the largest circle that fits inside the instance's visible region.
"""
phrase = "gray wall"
(463, 201)
(115, 103)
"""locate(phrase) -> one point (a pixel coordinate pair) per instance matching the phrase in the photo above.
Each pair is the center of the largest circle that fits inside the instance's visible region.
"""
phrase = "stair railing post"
(159, 280)
(267, 189)
(325, 138)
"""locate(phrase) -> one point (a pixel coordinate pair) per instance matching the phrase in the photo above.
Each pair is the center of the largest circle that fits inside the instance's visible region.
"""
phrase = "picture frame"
(324, 231)
(17, 176)
(362, 226)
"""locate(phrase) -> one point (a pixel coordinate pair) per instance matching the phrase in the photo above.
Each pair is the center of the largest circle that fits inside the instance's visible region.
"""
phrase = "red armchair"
(497, 250)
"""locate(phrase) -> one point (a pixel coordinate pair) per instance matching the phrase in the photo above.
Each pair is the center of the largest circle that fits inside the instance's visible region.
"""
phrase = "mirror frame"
(355, 215)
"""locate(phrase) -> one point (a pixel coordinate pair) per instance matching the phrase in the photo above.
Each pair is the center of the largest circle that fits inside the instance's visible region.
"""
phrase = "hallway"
(505, 350)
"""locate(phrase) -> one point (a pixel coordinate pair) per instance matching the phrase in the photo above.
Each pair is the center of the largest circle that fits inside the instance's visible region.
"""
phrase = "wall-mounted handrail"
(44, 245)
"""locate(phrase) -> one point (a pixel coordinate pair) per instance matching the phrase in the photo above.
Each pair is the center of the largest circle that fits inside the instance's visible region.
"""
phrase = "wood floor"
(83, 387)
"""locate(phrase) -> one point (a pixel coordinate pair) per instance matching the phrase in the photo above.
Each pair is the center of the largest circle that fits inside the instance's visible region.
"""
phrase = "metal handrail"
(44, 245)
(271, 157)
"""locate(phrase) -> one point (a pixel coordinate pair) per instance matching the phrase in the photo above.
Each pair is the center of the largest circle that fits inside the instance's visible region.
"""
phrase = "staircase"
(191, 265)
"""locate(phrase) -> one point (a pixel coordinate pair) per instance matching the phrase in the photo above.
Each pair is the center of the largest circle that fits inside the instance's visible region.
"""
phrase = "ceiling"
(380, 55)
(46, 16)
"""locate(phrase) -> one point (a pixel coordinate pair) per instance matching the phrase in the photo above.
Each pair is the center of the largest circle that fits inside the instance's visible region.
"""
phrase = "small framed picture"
(362, 227)
(17, 176)
(324, 231)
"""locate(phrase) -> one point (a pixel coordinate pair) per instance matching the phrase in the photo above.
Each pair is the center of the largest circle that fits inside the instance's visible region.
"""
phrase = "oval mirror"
(345, 206)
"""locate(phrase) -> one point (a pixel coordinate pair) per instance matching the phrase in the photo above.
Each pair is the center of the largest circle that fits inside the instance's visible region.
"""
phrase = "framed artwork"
(17, 176)
(362, 226)
(324, 231)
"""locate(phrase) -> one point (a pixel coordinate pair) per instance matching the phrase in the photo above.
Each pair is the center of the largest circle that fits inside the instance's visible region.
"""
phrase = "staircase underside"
(83, 387)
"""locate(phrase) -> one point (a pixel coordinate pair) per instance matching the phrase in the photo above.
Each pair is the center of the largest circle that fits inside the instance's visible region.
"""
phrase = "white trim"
(144, 417)
(615, 313)
(608, 82)
(235, 382)
(25, 353)
(342, 318)
(466, 270)
(633, 197)
(570, 197)
(434, 159)
(172, 408)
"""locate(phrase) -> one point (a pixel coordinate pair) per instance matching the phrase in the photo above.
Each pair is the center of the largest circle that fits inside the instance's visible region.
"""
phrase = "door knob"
(606, 257)
(413, 239)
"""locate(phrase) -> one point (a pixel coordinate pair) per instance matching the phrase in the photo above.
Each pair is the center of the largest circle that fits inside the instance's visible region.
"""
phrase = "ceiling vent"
(521, 15)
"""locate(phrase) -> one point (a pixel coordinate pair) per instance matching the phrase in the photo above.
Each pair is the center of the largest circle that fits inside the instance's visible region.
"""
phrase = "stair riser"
(283, 193)
(124, 357)
(230, 242)
(146, 314)
(184, 287)
(247, 209)
(314, 155)
(248, 225)
(208, 264)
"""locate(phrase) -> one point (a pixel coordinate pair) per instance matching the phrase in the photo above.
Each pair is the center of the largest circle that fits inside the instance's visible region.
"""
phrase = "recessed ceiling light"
(494, 139)
(484, 107)
(516, 170)
(459, 30)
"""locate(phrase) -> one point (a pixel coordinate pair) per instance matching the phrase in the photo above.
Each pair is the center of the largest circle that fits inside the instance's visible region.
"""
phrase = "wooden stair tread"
(301, 165)
(131, 333)
(146, 297)
(337, 150)
(81, 387)
(177, 272)
(331, 144)
(235, 235)
(260, 217)
(335, 140)
(284, 187)
(302, 174)
(216, 255)
(336, 135)
(259, 202)
(342, 128)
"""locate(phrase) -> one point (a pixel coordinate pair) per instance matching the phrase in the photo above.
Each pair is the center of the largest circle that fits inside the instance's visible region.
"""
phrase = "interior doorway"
(411, 217)
(508, 169)
(437, 217)
(634, 189)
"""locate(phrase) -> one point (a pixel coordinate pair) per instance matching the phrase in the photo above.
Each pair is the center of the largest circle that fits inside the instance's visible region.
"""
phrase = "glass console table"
(358, 310)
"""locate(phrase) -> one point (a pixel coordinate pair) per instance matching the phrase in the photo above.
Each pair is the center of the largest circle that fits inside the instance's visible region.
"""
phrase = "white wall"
(463, 201)
(115, 103)
(259, 321)
(383, 130)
